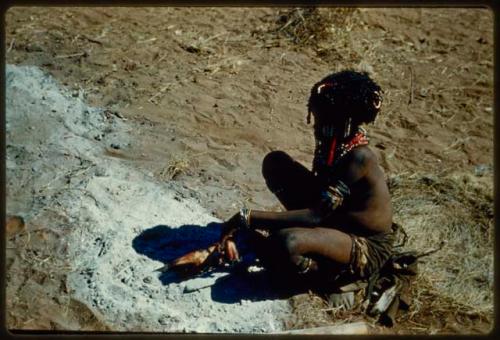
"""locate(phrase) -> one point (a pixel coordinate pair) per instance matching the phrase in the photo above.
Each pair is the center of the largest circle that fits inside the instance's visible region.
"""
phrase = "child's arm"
(354, 169)
(285, 219)
(270, 220)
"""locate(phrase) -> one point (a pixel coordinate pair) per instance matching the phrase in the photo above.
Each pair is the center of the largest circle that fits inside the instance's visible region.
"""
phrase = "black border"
(493, 5)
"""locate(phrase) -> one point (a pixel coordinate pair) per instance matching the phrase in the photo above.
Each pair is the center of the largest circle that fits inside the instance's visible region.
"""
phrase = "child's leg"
(296, 250)
(302, 247)
(304, 250)
(295, 186)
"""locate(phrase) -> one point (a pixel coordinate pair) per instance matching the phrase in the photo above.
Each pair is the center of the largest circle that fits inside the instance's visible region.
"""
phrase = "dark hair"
(343, 95)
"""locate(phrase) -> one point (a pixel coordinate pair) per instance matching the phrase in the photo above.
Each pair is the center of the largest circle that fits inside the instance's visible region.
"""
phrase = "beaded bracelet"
(245, 217)
(305, 265)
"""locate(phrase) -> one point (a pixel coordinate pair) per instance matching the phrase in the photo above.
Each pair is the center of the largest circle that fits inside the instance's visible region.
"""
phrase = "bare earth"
(205, 93)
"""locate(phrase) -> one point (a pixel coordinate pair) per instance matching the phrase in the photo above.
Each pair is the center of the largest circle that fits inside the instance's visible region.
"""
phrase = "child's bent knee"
(272, 161)
(289, 241)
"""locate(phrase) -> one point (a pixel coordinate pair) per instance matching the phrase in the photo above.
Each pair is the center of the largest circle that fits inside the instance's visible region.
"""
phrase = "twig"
(75, 38)
(28, 234)
(211, 38)
(162, 57)
(11, 45)
(92, 40)
(145, 41)
(299, 12)
(332, 309)
(432, 251)
(457, 142)
(410, 100)
(103, 32)
(290, 21)
(71, 55)
(449, 119)
(163, 89)
(72, 173)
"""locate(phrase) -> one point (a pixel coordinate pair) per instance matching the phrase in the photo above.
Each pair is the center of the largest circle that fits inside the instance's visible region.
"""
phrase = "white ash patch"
(56, 161)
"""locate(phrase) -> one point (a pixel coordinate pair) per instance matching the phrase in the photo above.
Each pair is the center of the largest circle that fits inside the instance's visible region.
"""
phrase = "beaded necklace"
(326, 159)
(359, 139)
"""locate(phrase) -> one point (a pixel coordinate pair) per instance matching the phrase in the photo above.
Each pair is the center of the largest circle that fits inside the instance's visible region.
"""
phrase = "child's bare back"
(368, 208)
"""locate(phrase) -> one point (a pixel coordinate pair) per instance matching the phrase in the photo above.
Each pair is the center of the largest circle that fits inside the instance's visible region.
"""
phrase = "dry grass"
(308, 311)
(325, 30)
(455, 285)
(456, 208)
(230, 64)
(176, 167)
(311, 25)
(433, 312)
(311, 310)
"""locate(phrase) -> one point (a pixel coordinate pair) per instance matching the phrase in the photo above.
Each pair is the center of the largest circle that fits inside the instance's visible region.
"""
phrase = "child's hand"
(230, 251)
(230, 226)
(226, 243)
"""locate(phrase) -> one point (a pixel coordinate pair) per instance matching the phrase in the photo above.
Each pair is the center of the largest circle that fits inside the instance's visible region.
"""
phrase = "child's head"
(345, 96)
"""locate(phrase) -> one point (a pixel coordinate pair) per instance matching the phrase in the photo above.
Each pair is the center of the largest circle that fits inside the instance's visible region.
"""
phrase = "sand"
(122, 222)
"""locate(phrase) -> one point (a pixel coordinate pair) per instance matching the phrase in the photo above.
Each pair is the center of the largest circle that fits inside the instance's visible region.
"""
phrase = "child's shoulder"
(362, 155)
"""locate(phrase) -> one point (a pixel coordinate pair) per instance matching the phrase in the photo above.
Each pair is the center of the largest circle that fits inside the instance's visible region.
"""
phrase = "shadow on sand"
(164, 243)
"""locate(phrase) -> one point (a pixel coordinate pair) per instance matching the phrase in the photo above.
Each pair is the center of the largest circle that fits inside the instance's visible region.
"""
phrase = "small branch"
(92, 40)
(71, 55)
(75, 38)
(432, 251)
(410, 100)
(299, 12)
(146, 41)
(162, 57)
(289, 22)
(163, 89)
(11, 45)
(211, 38)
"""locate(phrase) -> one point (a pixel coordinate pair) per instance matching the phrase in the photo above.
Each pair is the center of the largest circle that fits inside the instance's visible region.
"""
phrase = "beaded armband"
(334, 196)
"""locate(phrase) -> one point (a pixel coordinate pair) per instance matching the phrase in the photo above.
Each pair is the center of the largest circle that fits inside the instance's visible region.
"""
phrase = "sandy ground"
(184, 103)
(115, 237)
